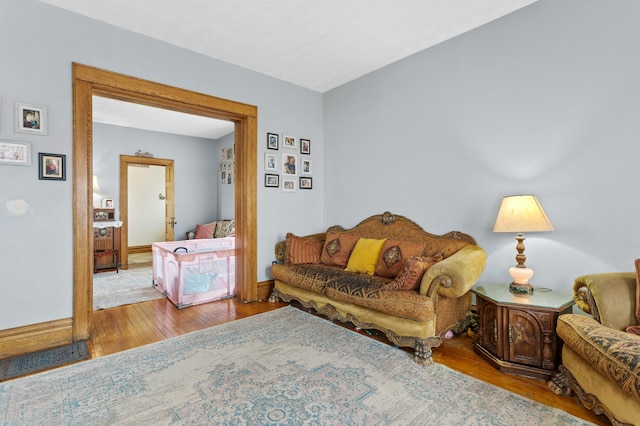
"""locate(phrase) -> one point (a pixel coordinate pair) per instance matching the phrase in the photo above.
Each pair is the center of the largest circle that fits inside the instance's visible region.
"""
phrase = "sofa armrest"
(609, 297)
(455, 275)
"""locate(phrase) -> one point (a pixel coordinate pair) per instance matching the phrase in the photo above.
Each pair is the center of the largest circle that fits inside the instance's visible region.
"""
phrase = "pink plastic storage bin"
(191, 272)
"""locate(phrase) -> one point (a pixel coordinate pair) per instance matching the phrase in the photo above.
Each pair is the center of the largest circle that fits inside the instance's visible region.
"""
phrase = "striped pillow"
(302, 250)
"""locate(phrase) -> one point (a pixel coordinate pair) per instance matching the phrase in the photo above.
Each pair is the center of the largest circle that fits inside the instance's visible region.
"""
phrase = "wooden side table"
(106, 248)
(517, 335)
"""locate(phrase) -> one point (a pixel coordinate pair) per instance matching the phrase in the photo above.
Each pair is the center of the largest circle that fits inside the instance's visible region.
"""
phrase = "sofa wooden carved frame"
(411, 232)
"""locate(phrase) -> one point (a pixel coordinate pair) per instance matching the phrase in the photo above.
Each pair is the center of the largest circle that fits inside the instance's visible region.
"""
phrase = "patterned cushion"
(308, 277)
(191, 234)
(204, 232)
(411, 275)
(369, 291)
(365, 255)
(337, 248)
(613, 353)
(225, 228)
(301, 250)
(394, 255)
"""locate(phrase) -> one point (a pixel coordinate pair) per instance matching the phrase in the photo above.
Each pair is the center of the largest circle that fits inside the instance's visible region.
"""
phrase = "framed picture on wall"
(52, 166)
(289, 142)
(15, 153)
(289, 164)
(270, 162)
(306, 183)
(306, 167)
(30, 118)
(305, 146)
(271, 180)
(273, 141)
(288, 185)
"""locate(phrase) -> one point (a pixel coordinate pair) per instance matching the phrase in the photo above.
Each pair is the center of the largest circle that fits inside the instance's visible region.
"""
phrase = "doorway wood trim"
(125, 161)
(89, 81)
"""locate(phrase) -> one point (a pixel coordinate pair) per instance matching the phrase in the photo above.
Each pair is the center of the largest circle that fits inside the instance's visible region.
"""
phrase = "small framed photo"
(306, 183)
(289, 164)
(223, 177)
(31, 118)
(288, 185)
(107, 203)
(270, 162)
(273, 141)
(271, 180)
(306, 167)
(15, 153)
(305, 146)
(52, 166)
(289, 142)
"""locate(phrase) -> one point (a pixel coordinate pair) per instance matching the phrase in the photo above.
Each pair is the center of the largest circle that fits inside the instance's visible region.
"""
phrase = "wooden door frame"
(90, 81)
(125, 160)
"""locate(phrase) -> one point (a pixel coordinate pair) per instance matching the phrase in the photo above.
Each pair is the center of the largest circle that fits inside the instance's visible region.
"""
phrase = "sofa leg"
(274, 297)
(559, 383)
(422, 354)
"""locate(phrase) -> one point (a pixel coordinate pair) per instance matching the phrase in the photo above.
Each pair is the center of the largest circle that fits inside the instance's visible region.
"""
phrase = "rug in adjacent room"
(280, 367)
(113, 288)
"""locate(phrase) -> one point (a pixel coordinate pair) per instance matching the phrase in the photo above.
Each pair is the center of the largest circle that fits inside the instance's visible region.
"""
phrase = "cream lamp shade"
(521, 213)
(96, 186)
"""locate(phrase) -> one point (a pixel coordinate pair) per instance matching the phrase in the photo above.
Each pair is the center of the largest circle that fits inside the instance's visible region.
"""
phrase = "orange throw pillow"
(394, 255)
(301, 250)
(411, 275)
(338, 247)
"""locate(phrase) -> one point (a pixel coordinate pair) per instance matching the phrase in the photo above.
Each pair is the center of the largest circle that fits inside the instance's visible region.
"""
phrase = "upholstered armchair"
(600, 360)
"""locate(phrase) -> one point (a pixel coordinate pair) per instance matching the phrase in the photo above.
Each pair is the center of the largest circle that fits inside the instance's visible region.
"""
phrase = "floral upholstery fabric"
(614, 353)
(368, 291)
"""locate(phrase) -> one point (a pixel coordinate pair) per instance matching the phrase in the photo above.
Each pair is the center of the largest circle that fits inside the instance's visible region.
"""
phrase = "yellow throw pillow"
(365, 255)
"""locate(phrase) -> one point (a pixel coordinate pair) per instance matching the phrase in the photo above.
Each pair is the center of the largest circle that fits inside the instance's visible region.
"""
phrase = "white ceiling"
(317, 44)
(126, 114)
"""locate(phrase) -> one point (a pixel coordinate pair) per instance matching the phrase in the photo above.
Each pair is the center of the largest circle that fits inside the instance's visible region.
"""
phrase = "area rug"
(122, 288)
(39, 361)
(284, 367)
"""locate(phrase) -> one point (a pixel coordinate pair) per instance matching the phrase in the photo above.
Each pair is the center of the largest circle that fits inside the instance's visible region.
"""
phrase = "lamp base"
(521, 290)
(520, 285)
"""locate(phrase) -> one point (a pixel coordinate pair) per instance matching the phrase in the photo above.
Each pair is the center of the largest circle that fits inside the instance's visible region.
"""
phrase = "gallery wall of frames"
(30, 119)
(287, 163)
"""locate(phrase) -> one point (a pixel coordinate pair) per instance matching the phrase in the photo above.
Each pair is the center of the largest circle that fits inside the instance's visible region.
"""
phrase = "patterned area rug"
(122, 288)
(283, 367)
(38, 361)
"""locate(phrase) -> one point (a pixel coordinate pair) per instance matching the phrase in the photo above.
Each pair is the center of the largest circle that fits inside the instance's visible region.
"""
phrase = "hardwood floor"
(125, 327)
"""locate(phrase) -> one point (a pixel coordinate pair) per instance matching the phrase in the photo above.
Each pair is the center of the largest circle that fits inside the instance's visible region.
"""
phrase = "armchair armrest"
(455, 275)
(609, 297)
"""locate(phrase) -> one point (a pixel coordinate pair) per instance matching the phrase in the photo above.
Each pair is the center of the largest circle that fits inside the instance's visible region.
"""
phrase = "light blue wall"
(195, 169)
(542, 101)
(38, 44)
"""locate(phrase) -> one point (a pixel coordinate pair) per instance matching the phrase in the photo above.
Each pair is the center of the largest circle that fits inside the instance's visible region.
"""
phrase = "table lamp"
(97, 193)
(521, 213)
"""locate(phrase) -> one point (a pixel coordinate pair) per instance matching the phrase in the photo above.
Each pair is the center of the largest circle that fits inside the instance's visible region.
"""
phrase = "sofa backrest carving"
(396, 227)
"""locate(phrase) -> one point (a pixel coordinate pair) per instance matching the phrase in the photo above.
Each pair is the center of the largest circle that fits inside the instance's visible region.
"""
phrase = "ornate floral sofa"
(386, 273)
(600, 360)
